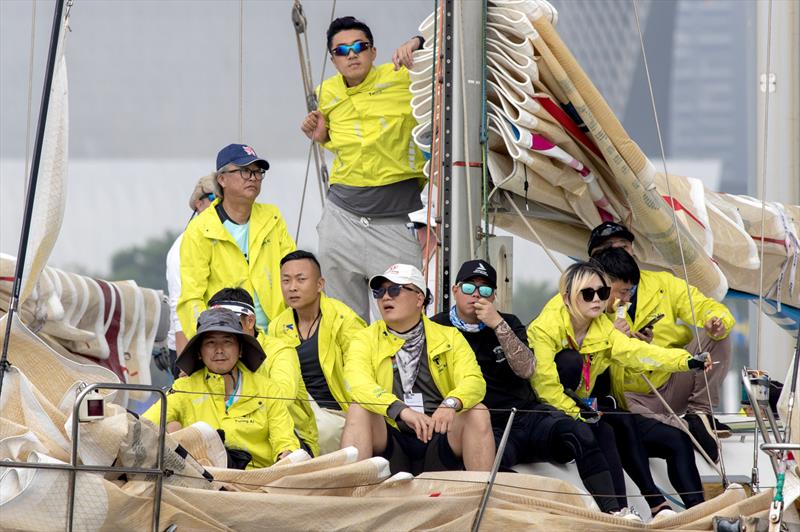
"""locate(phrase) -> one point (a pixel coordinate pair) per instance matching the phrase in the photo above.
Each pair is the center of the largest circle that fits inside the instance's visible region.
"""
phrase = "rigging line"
(427, 479)
(314, 149)
(677, 227)
(763, 187)
(241, 70)
(465, 133)
(303, 197)
(484, 135)
(30, 90)
(533, 232)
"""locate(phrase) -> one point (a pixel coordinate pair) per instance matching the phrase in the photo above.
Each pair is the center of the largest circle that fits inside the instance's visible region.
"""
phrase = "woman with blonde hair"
(574, 342)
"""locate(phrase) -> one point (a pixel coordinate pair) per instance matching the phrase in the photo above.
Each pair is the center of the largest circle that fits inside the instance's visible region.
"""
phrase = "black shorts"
(531, 437)
(406, 452)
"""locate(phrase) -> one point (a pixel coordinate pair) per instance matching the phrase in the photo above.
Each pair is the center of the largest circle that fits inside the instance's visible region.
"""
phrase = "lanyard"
(236, 385)
(587, 364)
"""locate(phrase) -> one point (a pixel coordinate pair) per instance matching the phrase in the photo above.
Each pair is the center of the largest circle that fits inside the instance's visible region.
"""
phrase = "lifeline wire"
(678, 232)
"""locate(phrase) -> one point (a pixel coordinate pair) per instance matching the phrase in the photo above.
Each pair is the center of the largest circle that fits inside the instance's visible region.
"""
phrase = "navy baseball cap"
(240, 155)
(606, 230)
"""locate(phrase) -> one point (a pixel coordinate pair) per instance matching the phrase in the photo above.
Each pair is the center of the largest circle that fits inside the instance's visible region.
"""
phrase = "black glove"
(698, 362)
(589, 414)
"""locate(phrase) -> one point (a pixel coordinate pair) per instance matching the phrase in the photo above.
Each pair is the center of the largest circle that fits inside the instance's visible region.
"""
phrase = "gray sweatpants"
(686, 391)
(352, 249)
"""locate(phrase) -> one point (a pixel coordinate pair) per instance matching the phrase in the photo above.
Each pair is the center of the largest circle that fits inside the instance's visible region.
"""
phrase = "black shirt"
(504, 389)
(313, 377)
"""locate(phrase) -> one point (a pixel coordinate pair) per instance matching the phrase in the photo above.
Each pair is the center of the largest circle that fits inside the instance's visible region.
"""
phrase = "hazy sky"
(156, 78)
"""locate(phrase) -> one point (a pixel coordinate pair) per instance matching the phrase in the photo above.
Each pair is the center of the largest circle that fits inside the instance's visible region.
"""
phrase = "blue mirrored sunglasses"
(483, 290)
(357, 47)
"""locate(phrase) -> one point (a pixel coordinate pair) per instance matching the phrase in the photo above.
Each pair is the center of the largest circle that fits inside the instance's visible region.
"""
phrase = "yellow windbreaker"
(662, 292)
(370, 129)
(262, 427)
(282, 367)
(368, 372)
(602, 347)
(336, 327)
(211, 261)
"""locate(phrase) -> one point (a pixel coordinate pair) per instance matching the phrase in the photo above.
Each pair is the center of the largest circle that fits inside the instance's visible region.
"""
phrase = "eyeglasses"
(483, 290)
(393, 290)
(248, 174)
(344, 49)
(603, 293)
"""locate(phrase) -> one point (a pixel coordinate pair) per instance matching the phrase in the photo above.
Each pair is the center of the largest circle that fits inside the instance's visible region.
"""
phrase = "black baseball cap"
(606, 230)
(477, 268)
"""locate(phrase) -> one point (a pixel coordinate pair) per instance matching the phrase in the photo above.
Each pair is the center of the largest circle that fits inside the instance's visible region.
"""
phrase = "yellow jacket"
(370, 129)
(282, 367)
(262, 427)
(336, 328)
(368, 371)
(603, 346)
(662, 292)
(211, 260)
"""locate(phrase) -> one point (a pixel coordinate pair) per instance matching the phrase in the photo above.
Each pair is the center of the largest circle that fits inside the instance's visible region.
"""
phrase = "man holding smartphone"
(644, 295)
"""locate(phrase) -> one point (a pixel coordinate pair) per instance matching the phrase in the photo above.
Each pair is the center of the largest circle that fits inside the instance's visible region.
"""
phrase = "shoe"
(664, 513)
(629, 514)
(700, 428)
(722, 430)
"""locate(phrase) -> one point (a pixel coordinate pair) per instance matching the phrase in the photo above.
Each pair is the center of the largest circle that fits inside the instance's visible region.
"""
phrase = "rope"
(299, 21)
(484, 133)
(533, 232)
(675, 225)
(30, 91)
(763, 191)
(241, 70)
(438, 479)
(545, 410)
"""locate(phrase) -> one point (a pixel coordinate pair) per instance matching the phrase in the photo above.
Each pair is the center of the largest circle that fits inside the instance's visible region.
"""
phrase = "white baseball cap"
(400, 274)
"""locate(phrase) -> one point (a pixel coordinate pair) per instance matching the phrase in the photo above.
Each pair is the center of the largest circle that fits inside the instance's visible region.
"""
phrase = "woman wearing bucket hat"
(223, 389)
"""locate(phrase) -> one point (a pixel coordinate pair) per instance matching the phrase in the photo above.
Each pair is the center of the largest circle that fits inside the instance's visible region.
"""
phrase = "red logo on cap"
(250, 151)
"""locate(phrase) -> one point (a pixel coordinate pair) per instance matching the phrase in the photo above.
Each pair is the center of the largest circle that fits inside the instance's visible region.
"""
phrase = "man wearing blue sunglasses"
(375, 216)
(539, 432)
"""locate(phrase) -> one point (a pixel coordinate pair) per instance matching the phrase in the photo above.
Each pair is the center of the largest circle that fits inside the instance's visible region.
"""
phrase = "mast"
(780, 154)
(461, 189)
(32, 180)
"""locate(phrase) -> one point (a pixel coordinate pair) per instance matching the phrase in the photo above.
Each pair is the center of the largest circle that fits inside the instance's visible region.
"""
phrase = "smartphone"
(649, 324)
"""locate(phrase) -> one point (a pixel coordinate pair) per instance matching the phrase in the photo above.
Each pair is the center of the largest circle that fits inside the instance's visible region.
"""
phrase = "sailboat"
(518, 138)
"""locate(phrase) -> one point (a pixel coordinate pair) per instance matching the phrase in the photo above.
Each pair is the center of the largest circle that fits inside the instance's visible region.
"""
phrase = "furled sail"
(557, 147)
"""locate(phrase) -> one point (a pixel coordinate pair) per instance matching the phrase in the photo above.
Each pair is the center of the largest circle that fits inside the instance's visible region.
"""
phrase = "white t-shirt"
(174, 289)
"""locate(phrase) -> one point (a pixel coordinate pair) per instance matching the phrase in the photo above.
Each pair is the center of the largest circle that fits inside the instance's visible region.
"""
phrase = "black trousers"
(614, 432)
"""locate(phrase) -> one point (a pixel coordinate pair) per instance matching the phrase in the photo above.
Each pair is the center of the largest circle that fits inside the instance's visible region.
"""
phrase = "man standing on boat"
(320, 328)
(661, 293)
(416, 385)
(374, 216)
(539, 432)
(237, 243)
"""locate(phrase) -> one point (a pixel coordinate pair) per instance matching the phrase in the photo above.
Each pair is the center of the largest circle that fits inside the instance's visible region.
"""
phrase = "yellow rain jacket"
(662, 292)
(262, 427)
(282, 367)
(336, 328)
(370, 129)
(211, 261)
(368, 371)
(602, 347)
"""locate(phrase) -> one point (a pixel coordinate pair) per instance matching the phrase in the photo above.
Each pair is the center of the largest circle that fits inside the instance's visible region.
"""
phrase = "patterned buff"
(459, 324)
(407, 358)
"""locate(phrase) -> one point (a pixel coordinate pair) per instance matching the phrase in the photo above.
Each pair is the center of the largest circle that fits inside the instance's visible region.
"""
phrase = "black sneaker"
(700, 428)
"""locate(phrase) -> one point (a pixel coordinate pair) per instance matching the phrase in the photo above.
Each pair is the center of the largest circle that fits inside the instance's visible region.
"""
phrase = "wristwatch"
(450, 402)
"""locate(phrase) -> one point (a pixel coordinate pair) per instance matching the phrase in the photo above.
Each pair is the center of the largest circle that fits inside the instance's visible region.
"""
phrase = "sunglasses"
(603, 293)
(344, 49)
(483, 290)
(393, 290)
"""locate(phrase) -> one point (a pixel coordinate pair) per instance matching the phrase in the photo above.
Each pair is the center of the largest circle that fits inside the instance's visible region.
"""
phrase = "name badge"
(414, 402)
